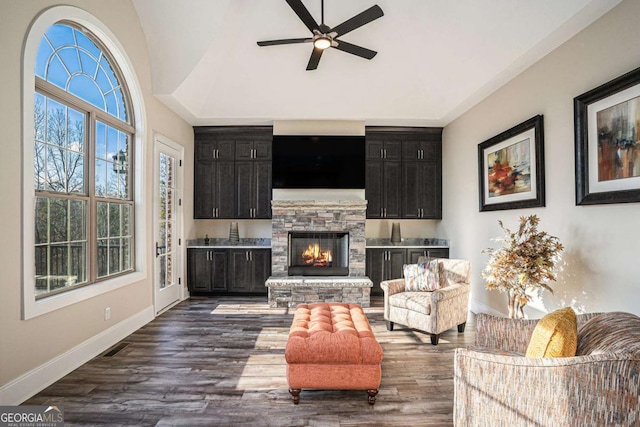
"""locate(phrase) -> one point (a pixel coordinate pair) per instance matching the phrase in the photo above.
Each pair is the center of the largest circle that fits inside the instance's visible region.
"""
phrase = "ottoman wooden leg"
(389, 326)
(295, 393)
(461, 327)
(372, 395)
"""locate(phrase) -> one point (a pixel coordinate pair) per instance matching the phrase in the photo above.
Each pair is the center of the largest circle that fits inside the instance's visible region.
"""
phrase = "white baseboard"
(478, 307)
(36, 380)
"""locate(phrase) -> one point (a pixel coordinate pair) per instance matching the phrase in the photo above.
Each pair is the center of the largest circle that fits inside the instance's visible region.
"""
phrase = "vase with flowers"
(526, 262)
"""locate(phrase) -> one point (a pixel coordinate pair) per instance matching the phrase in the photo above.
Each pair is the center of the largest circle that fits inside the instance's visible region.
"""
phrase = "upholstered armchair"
(496, 385)
(435, 311)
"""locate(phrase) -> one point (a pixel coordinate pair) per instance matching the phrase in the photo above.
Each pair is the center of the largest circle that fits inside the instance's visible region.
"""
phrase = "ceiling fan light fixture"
(322, 42)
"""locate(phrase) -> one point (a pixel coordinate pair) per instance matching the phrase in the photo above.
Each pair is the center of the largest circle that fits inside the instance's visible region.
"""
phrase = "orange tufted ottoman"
(331, 346)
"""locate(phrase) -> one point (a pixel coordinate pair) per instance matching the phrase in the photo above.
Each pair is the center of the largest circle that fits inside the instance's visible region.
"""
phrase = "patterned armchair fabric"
(495, 385)
(431, 311)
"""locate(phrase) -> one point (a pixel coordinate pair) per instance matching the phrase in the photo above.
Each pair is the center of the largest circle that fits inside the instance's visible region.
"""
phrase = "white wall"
(601, 271)
(28, 345)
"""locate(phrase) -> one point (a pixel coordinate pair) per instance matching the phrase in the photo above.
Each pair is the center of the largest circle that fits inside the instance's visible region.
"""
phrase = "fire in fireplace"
(318, 254)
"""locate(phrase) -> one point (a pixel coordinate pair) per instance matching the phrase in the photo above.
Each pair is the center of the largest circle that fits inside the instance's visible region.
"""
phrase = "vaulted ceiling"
(435, 60)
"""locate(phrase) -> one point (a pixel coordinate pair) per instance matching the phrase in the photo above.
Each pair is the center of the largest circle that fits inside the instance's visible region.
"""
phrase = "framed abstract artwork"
(511, 168)
(607, 145)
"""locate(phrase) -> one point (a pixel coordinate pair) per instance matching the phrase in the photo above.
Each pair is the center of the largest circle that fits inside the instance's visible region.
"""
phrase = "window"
(82, 163)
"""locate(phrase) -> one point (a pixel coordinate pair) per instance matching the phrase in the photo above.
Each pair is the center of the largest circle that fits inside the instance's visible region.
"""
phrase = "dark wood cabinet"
(253, 150)
(250, 269)
(414, 253)
(213, 189)
(380, 148)
(383, 181)
(224, 271)
(253, 189)
(386, 264)
(207, 270)
(421, 190)
(404, 173)
(232, 172)
(383, 189)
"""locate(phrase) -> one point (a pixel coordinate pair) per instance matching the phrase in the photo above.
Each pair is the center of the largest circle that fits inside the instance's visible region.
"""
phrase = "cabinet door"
(393, 151)
(244, 150)
(396, 258)
(374, 188)
(411, 190)
(241, 273)
(244, 189)
(374, 269)
(430, 190)
(262, 150)
(224, 189)
(226, 150)
(411, 150)
(198, 270)
(392, 185)
(219, 277)
(261, 260)
(374, 149)
(204, 192)
(205, 149)
(262, 189)
(414, 253)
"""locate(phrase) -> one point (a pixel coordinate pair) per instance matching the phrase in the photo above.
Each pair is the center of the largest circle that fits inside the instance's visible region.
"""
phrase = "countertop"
(265, 243)
(262, 243)
(411, 242)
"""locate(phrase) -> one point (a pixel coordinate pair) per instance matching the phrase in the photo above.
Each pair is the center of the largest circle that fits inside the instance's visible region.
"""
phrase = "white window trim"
(30, 307)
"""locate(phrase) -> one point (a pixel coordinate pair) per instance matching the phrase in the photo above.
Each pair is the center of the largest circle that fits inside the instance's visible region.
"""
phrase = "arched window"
(82, 163)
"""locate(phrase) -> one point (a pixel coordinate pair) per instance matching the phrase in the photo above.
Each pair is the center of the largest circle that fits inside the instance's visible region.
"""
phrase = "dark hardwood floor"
(220, 362)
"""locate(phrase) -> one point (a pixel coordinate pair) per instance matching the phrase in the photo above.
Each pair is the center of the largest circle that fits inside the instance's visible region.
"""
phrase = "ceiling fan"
(325, 37)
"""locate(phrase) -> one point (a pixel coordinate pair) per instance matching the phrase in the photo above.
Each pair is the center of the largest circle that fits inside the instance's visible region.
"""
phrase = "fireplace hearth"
(318, 254)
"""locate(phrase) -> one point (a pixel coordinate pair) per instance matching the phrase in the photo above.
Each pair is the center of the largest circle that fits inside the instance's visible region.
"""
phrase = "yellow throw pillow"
(555, 335)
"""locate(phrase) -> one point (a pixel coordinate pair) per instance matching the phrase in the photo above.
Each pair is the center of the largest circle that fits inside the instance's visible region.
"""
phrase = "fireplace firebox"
(318, 253)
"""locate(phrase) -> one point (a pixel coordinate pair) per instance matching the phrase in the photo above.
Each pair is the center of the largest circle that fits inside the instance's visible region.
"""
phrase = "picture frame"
(511, 168)
(607, 145)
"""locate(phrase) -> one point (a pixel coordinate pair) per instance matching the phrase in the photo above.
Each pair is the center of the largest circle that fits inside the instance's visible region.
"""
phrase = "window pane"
(101, 140)
(58, 220)
(75, 173)
(39, 116)
(56, 123)
(114, 253)
(103, 257)
(103, 219)
(42, 220)
(101, 178)
(114, 256)
(78, 262)
(78, 219)
(77, 65)
(114, 220)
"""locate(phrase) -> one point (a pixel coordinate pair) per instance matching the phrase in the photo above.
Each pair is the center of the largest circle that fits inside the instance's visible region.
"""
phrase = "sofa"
(496, 385)
(435, 311)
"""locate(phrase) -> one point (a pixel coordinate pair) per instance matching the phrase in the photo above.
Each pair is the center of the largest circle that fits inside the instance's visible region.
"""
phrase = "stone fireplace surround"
(322, 215)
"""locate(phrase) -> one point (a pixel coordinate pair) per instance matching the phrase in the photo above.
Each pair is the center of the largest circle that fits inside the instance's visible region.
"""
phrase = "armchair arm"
(391, 287)
(451, 291)
(599, 389)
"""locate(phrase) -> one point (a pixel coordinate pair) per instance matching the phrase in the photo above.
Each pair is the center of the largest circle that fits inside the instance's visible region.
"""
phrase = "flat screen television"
(318, 161)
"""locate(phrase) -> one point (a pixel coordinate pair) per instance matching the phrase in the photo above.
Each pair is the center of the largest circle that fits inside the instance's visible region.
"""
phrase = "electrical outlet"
(107, 313)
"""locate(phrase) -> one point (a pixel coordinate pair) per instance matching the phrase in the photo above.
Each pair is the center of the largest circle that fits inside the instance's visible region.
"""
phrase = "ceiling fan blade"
(355, 50)
(315, 58)
(303, 14)
(373, 13)
(284, 41)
